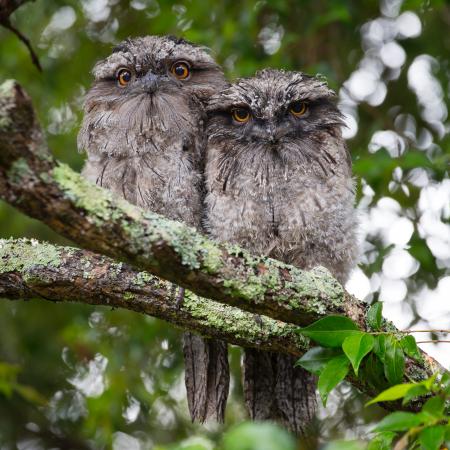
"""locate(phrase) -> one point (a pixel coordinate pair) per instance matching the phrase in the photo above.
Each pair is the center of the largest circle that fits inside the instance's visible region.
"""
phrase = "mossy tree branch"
(29, 269)
(34, 182)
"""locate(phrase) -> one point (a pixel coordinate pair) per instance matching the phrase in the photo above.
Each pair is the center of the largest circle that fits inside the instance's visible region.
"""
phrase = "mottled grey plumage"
(281, 185)
(143, 131)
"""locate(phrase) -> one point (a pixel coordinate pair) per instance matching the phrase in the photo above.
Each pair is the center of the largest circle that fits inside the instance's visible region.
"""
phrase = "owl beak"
(272, 134)
(150, 82)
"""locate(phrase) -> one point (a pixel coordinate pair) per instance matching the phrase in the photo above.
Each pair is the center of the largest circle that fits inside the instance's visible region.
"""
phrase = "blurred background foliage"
(75, 377)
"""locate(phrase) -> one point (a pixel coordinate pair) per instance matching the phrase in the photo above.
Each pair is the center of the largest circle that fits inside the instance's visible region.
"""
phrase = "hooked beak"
(150, 82)
(271, 132)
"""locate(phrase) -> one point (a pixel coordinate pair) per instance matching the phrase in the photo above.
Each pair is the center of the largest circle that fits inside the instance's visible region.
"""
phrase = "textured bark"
(35, 183)
(207, 376)
(30, 270)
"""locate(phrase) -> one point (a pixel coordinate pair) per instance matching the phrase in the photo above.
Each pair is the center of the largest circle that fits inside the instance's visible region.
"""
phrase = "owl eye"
(181, 70)
(297, 109)
(240, 115)
(124, 76)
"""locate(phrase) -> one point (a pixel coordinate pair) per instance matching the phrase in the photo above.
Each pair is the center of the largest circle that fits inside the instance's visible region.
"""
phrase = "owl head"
(275, 118)
(148, 84)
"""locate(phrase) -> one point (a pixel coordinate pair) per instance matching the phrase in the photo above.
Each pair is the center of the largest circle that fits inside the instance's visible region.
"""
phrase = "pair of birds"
(260, 162)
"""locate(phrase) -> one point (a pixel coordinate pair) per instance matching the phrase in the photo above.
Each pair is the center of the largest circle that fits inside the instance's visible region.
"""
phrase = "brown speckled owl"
(143, 131)
(278, 177)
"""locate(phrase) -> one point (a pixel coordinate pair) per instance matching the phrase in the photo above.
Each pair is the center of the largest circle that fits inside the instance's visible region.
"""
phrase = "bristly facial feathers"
(273, 135)
(153, 100)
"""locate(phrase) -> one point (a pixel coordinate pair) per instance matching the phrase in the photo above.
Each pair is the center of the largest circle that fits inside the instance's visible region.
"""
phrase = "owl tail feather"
(207, 377)
(276, 390)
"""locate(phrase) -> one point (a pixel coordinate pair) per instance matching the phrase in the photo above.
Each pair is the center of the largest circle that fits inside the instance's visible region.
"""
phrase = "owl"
(279, 183)
(143, 131)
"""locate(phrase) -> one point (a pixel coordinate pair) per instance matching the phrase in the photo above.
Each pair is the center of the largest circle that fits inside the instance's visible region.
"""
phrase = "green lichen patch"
(7, 89)
(101, 204)
(23, 254)
(240, 324)
(19, 171)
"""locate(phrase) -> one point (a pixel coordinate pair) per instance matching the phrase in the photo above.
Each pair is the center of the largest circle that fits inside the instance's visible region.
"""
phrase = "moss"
(129, 296)
(241, 324)
(19, 171)
(142, 278)
(7, 89)
(85, 195)
(23, 254)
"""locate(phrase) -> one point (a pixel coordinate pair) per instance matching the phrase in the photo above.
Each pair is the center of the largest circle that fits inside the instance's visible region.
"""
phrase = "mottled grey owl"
(278, 178)
(143, 131)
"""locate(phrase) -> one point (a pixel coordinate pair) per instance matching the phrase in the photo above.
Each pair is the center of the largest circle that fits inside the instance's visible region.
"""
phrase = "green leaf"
(345, 445)
(434, 406)
(409, 346)
(394, 363)
(393, 393)
(374, 316)
(330, 331)
(315, 360)
(256, 436)
(399, 421)
(379, 346)
(382, 441)
(431, 438)
(416, 391)
(332, 374)
(356, 347)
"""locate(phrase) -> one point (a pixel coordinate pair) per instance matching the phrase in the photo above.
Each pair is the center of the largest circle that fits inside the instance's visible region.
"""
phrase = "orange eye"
(180, 70)
(240, 115)
(124, 76)
(298, 108)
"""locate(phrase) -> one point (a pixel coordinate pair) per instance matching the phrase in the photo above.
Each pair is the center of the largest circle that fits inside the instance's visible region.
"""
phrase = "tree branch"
(35, 183)
(29, 269)
(7, 7)
(32, 181)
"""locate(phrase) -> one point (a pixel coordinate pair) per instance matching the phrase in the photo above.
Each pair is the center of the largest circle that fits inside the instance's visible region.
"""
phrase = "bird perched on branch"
(278, 177)
(143, 131)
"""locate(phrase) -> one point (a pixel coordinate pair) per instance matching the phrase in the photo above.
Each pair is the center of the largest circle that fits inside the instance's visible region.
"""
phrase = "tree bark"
(32, 181)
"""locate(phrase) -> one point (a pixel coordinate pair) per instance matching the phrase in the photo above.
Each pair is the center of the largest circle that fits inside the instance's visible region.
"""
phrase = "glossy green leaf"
(434, 406)
(356, 347)
(332, 374)
(382, 441)
(330, 331)
(393, 393)
(399, 421)
(315, 359)
(258, 436)
(394, 363)
(345, 445)
(431, 438)
(374, 316)
(409, 346)
(417, 391)
(379, 346)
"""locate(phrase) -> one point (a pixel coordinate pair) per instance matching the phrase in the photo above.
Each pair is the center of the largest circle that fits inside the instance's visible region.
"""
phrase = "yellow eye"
(180, 70)
(124, 76)
(240, 115)
(298, 108)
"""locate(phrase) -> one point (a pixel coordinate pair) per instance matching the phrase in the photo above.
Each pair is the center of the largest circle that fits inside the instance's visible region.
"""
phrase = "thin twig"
(431, 341)
(7, 24)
